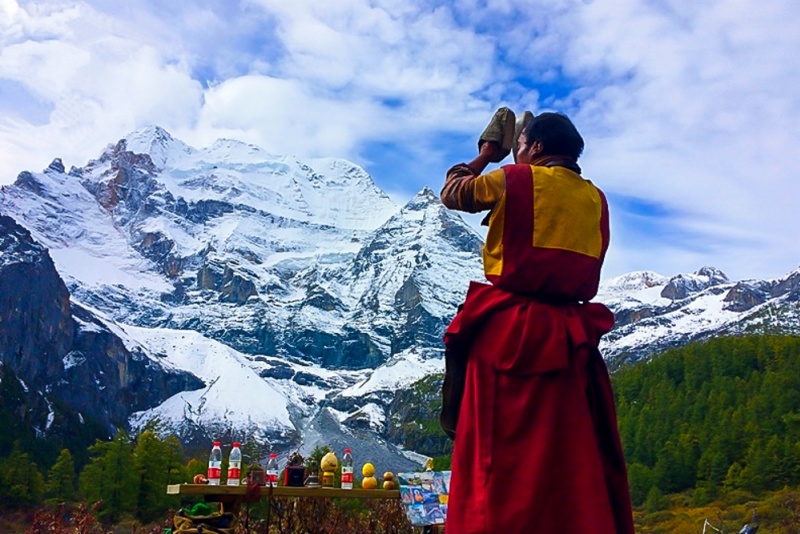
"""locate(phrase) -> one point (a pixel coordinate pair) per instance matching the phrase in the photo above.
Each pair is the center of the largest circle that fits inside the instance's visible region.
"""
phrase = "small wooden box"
(256, 475)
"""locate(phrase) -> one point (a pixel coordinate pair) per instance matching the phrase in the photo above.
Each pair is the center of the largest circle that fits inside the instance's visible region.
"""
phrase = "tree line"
(712, 417)
(128, 475)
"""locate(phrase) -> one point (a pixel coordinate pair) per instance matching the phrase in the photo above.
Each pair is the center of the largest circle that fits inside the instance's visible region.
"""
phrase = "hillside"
(227, 268)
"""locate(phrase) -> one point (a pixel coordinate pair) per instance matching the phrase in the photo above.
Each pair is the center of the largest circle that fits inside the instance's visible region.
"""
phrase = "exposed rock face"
(62, 349)
(744, 296)
(349, 349)
(56, 165)
(36, 328)
(232, 284)
(788, 287)
(128, 180)
(629, 316)
(681, 286)
(28, 414)
(103, 372)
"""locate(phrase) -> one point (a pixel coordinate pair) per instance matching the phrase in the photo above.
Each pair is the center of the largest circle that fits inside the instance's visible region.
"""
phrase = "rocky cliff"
(62, 350)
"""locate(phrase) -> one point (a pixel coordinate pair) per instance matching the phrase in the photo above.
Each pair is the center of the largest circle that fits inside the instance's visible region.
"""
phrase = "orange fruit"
(388, 476)
(388, 485)
(368, 470)
(369, 483)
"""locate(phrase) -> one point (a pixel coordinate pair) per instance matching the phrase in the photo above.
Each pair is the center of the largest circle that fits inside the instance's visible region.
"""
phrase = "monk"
(527, 395)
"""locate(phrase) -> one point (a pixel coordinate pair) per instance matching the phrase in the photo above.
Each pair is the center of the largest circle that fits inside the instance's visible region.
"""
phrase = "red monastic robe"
(536, 445)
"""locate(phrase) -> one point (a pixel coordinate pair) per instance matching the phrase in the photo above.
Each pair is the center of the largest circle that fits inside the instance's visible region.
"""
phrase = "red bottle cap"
(235, 443)
(216, 443)
(347, 451)
(273, 455)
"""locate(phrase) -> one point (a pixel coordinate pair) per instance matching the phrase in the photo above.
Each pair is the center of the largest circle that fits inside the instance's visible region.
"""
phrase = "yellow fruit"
(388, 485)
(369, 483)
(368, 470)
(388, 476)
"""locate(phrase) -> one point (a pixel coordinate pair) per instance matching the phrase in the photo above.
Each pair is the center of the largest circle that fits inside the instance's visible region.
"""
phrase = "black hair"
(556, 133)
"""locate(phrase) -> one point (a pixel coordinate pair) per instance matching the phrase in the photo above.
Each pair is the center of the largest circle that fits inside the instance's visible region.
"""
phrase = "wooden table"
(232, 496)
(207, 490)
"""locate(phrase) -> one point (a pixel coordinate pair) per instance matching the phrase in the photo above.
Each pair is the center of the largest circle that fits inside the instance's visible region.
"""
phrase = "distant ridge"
(300, 296)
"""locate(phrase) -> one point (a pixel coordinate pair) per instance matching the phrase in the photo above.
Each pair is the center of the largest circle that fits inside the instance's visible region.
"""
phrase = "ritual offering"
(368, 469)
(312, 469)
(295, 472)
(256, 475)
(388, 481)
(369, 481)
(328, 465)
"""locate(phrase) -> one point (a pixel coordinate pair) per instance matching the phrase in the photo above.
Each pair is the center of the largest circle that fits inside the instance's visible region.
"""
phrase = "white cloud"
(702, 115)
(693, 107)
(100, 86)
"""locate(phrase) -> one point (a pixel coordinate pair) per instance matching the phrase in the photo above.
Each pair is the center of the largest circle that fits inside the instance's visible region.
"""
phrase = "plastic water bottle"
(347, 470)
(234, 465)
(272, 470)
(215, 465)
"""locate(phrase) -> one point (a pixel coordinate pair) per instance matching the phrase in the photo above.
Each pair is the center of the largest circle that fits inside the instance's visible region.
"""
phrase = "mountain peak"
(422, 200)
(149, 134)
(56, 165)
(634, 281)
(157, 143)
(713, 274)
(683, 285)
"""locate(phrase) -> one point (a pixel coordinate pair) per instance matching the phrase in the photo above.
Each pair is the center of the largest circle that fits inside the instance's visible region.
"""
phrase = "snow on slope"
(325, 191)
(235, 396)
(81, 236)
(703, 314)
(639, 286)
(401, 371)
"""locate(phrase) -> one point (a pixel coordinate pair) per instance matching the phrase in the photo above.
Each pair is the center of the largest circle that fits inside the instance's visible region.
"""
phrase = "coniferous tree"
(641, 479)
(655, 500)
(733, 479)
(21, 483)
(110, 476)
(158, 463)
(194, 467)
(61, 479)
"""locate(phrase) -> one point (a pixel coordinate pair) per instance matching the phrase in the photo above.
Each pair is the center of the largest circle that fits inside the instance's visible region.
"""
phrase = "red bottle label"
(234, 472)
(214, 472)
(347, 477)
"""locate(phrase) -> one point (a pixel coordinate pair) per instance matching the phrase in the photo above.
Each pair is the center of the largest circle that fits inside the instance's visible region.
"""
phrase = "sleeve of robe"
(465, 191)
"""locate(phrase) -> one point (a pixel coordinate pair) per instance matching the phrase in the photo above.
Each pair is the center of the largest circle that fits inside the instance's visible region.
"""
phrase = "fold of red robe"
(537, 446)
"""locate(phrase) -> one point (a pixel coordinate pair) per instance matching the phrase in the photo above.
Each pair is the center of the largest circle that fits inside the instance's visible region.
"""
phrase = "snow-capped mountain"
(294, 297)
(654, 312)
(64, 351)
(303, 272)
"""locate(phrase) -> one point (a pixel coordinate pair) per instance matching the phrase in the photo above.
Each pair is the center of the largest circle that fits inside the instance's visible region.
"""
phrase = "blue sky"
(690, 110)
